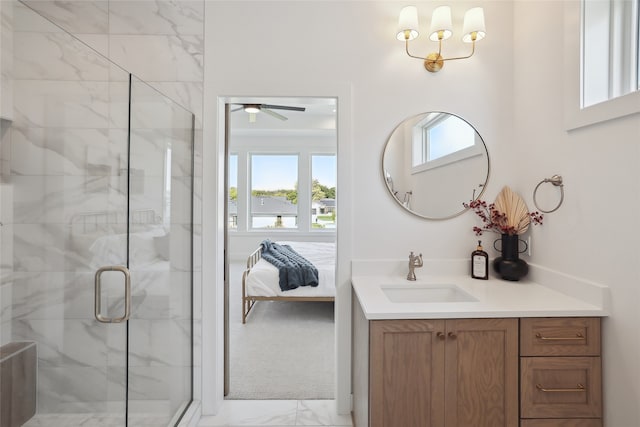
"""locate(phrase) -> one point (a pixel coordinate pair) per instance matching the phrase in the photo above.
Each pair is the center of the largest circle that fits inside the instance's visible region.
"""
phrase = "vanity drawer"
(565, 422)
(560, 387)
(564, 336)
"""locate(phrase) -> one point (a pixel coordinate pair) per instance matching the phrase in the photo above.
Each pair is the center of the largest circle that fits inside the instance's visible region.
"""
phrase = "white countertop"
(495, 298)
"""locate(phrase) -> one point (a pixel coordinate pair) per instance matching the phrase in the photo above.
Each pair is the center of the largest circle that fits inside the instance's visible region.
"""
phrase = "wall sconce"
(473, 30)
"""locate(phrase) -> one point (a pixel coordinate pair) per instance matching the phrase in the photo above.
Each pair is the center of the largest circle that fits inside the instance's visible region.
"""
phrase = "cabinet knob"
(452, 335)
(441, 335)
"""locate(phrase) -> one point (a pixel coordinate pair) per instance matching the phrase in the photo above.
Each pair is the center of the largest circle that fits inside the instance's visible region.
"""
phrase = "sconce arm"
(473, 49)
(406, 48)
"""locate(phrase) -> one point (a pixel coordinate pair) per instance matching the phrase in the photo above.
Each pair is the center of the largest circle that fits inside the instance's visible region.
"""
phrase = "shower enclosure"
(97, 185)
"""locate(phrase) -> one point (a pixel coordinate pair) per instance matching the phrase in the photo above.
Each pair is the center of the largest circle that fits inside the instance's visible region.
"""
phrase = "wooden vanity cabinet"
(451, 373)
(560, 369)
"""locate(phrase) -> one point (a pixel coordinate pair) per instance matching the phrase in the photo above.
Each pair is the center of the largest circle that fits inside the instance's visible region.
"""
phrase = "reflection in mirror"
(433, 162)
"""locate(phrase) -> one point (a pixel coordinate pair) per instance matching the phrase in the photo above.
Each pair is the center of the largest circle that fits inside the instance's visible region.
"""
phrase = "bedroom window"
(274, 191)
(610, 44)
(323, 191)
(232, 191)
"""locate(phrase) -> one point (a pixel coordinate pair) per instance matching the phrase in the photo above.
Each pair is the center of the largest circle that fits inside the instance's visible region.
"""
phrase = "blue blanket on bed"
(294, 270)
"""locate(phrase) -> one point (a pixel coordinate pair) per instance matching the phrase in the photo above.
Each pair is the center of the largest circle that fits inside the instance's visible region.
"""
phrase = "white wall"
(298, 43)
(594, 234)
(512, 92)
(265, 48)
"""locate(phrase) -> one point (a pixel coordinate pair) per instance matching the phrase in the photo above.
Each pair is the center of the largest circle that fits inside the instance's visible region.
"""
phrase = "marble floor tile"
(320, 413)
(276, 413)
(253, 413)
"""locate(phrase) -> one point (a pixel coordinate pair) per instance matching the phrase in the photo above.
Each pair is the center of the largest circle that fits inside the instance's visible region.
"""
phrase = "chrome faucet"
(415, 261)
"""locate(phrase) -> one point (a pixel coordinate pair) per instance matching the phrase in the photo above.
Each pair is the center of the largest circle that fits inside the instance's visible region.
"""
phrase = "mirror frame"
(386, 182)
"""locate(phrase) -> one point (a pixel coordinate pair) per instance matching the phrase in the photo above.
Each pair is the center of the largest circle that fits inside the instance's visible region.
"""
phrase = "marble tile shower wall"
(6, 191)
(66, 136)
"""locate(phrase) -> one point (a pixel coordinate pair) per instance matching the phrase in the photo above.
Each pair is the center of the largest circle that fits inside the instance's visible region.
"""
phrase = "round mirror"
(433, 163)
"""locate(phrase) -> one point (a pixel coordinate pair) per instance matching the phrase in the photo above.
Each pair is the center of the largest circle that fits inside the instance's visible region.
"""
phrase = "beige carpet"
(286, 350)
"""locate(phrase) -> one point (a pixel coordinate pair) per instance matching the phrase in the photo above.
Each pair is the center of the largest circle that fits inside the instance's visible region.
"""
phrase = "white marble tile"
(60, 151)
(97, 42)
(65, 342)
(5, 148)
(6, 312)
(66, 104)
(158, 342)
(6, 249)
(149, 150)
(6, 59)
(320, 413)
(149, 382)
(59, 199)
(156, 17)
(181, 203)
(253, 413)
(75, 16)
(180, 239)
(39, 247)
(51, 295)
(167, 58)
(57, 56)
(83, 389)
(25, 19)
(188, 94)
(77, 420)
(151, 110)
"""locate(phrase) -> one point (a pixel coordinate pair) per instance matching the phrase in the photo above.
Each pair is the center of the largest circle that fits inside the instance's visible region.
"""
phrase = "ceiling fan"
(252, 109)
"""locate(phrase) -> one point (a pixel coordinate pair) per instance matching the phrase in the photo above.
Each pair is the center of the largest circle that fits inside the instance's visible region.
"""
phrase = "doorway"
(275, 144)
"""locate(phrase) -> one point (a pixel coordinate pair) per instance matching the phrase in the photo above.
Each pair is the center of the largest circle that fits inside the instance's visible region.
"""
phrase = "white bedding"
(263, 278)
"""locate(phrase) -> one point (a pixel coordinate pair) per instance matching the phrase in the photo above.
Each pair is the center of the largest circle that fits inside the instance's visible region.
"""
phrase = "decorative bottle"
(479, 263)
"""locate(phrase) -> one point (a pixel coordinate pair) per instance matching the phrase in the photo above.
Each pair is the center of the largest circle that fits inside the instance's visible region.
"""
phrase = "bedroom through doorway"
(281, 175)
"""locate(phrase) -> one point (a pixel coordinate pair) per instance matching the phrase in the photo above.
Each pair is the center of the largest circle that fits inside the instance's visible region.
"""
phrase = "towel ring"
(556, 180)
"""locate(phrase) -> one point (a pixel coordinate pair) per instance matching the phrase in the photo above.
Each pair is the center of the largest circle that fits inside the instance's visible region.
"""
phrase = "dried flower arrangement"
(507, 215)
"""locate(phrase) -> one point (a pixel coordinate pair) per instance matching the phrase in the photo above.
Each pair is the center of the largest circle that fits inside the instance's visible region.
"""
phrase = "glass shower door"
(160, 257)
(67, 169)
(101, 173)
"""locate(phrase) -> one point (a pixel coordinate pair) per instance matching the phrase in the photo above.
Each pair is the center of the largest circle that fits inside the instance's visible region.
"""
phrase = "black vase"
(509, 266)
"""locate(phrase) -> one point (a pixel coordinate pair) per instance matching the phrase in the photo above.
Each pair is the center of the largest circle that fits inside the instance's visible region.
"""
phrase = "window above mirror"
(610, 43)
(440, 139)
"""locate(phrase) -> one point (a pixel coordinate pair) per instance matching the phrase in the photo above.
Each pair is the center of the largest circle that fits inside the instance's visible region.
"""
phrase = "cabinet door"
(481, 383)
(406, 373)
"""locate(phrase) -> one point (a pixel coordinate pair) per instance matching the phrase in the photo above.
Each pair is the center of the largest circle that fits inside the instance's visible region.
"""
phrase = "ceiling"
(319, 116)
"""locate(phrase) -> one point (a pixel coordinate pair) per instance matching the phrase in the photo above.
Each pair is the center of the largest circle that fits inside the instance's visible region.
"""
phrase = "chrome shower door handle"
(98, 295)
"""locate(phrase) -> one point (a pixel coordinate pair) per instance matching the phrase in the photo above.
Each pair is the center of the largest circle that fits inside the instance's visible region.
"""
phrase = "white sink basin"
(421, 293)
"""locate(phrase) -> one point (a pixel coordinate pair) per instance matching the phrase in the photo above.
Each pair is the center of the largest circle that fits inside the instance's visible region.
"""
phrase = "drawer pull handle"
(578, 337)
(579, 388)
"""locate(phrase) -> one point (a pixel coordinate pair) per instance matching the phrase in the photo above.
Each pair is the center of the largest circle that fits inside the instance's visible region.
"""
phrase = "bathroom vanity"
(448, 350)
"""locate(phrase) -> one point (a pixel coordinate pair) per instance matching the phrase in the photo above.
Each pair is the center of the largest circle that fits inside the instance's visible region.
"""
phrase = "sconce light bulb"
(473, 28)
(408, 24)
(441, 28)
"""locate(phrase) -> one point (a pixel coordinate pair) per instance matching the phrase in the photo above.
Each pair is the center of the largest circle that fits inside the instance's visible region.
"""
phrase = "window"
(441, 139)
(274, 193)
(232, 205)
(610, 43)
(323, 191)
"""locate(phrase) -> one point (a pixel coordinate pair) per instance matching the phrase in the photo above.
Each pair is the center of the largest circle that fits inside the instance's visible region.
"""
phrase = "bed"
(260, 279)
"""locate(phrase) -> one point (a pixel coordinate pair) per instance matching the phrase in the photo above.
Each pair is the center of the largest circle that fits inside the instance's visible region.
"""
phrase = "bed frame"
(249, 301)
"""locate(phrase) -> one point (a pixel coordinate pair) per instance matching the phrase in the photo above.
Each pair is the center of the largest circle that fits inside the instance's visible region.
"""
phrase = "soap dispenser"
(479, 263)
